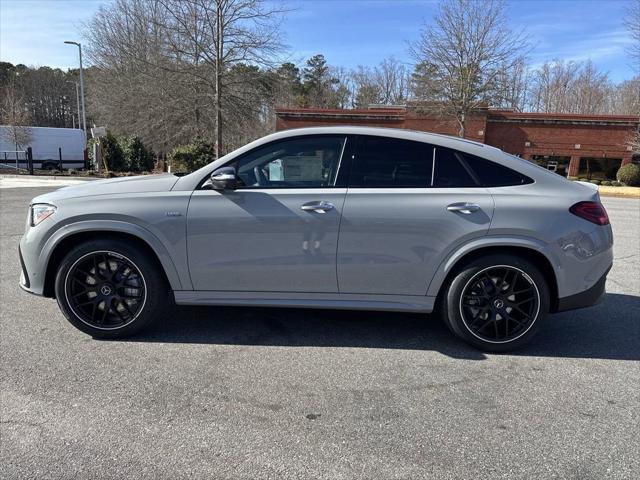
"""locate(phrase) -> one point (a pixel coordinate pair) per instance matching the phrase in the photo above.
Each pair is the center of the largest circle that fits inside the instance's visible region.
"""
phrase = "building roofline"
(399, 113)
(391, 109)
(562, 116)
(394, 114)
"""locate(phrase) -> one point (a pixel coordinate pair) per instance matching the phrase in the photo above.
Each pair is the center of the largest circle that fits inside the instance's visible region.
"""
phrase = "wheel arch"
(530, 252)
(57, 247)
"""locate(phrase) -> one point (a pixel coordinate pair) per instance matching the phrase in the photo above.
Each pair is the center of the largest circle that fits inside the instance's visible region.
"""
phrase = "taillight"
(593, 212)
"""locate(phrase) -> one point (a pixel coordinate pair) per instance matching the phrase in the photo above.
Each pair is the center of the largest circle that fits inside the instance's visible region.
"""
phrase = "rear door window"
(450, 171)
(383, 162)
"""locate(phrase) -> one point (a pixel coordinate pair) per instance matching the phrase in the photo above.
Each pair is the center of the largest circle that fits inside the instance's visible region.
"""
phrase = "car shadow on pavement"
(610, 330)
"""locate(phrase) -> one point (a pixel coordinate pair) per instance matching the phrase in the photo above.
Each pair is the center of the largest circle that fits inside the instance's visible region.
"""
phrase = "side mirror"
(224, 179)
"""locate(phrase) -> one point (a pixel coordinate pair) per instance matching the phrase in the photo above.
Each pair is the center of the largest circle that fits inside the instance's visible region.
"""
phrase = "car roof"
(420, 136)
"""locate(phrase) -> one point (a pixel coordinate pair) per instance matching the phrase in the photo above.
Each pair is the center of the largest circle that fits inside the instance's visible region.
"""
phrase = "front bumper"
(24, 274)
(588, 298)
(31, 271)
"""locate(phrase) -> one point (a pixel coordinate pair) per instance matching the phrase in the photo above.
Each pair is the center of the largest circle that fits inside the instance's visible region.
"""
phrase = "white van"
(49, 146)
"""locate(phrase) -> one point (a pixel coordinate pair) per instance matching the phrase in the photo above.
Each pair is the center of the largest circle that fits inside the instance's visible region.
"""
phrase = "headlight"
(39, 212)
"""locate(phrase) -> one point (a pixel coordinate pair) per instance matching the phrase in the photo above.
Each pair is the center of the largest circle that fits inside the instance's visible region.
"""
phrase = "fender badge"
(174, 214)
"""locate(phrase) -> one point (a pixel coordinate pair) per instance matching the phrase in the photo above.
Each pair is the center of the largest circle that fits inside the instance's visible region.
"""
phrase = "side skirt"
(401, 303)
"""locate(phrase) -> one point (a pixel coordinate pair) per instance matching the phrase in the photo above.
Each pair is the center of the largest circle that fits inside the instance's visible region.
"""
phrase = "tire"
(110, 288)
(496, 303)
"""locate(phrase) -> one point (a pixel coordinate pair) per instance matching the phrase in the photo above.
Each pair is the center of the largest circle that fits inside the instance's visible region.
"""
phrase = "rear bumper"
(588, 298)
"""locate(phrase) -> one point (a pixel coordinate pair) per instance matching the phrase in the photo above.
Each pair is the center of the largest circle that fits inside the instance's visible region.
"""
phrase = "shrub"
(605, 183)
(138, 158)
(583, 179)
(572, 178)
(90, 144)
(113, 153)
(595, 182)
(629, 174)
(193, 156)
(616, 184)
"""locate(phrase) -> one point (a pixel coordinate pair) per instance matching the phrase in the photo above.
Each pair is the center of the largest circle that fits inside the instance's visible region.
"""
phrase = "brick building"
(592, 146)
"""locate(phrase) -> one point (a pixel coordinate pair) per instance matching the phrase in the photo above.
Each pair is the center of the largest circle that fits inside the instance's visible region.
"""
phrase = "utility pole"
(84, 116)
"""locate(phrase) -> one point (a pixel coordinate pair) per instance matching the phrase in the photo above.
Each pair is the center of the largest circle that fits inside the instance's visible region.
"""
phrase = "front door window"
(307, 162)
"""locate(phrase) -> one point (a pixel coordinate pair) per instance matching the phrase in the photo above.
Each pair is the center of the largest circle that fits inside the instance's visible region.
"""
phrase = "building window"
(600, 168)
(553, 163)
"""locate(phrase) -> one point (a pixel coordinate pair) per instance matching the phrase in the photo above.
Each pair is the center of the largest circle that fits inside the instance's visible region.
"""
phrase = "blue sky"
(347, 32)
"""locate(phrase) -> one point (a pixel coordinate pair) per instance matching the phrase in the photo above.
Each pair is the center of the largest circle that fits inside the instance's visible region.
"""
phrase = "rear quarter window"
(491, 174)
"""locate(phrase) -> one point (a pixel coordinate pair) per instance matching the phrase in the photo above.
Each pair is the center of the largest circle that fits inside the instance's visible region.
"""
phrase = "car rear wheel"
(497, 302)
(110, 289)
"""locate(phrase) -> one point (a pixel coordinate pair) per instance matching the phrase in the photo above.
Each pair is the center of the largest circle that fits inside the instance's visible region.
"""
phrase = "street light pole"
(84, 116)
(77, 101)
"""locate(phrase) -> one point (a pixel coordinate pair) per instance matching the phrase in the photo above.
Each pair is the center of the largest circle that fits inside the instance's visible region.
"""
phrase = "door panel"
(407, 204)
(262, 239)
(279, 231)
(392, 240)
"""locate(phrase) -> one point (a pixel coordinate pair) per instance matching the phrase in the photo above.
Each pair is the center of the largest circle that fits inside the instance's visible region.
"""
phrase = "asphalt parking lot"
(273, 393)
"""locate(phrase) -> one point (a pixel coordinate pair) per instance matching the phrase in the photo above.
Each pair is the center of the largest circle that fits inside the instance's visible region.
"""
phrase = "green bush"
(595, 182)
(193, 156)
(126, 154)
(629, 174)
(138, 158)
(616, 184)
(572, 178)
(113, 153)
(90, 144)
(605, 183)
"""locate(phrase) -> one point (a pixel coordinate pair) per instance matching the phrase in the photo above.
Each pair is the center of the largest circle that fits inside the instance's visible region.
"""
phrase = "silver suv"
(330, 217)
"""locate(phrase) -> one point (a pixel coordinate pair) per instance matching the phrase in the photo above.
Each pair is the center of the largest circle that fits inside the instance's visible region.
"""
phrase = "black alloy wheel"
(112, 288)
(499, 304)
(105, 290)
(495, 302)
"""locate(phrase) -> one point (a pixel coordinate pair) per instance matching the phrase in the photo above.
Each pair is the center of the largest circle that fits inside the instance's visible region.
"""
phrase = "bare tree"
(392, 79)
(134, 85)
(388, 83)
(571, 87)
(15, 115)
(512, 86)
(625, 98)
(366, 89)
(632, 22)
(218, 34)
(592, 90)
(183, 52)
(465, 50)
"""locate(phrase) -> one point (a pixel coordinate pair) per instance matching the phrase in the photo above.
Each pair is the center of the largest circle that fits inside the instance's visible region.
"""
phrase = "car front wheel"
(110, 288)
(497, 302)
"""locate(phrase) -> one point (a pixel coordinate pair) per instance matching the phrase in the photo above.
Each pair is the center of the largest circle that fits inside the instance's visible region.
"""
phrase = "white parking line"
(11, 181)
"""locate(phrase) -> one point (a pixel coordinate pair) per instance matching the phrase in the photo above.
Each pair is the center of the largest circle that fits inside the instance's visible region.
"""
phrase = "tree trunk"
(219, 54)
(462, 122)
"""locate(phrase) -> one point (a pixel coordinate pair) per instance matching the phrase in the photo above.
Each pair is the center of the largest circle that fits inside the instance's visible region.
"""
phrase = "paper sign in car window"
(303, 168)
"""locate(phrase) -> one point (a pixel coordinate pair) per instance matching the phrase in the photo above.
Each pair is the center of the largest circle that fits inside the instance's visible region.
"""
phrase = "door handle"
(317, 207)
(463, 207)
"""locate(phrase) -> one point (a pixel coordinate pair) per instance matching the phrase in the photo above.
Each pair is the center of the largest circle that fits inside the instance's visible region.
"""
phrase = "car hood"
(139, 184)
